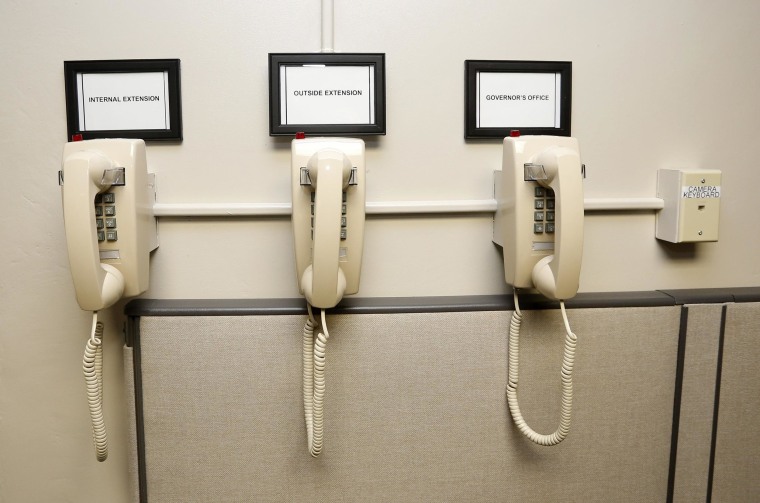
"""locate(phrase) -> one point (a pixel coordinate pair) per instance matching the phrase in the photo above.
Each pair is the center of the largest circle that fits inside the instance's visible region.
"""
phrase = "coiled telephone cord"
(92, 365)
(314, 380)
(567, 381)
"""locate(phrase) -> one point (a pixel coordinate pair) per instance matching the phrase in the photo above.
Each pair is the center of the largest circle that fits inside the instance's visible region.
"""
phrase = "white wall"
(655, 85)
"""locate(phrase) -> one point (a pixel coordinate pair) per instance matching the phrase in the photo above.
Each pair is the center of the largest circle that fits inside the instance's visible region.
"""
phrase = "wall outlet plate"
(692, 205)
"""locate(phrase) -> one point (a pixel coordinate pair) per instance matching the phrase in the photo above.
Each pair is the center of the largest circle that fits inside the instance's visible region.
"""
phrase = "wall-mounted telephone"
(539, 225)
(110, 231)
(328, 192)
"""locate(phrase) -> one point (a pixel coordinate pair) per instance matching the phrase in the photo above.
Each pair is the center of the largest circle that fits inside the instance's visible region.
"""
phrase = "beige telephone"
(328, 193)
(539, 225)
(110, 232)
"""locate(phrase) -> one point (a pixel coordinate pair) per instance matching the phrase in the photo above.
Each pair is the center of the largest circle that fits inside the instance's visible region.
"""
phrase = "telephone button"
(539, 204)
(98, 211)
(109, 198)
(538, 228)
(343, 234)
(99, 223)
(550, 228)
(110, 223)
(538, 216)
(111, 235)
(110, 211)
(101, 236)
(550, 204)
(550, 216)
(540, 192)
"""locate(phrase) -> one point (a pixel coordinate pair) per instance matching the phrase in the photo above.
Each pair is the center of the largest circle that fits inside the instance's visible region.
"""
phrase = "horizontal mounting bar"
(389, 207)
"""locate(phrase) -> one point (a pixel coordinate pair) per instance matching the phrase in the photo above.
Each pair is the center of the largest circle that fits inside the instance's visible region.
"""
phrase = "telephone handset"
(324, 282)
(328, 228)
(539, 225)
(110, 232)
(556, 276)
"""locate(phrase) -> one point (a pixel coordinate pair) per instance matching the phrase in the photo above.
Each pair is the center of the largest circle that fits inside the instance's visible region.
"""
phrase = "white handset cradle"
(328, 217)
(539, 214)
(539, 225)
(108, 200)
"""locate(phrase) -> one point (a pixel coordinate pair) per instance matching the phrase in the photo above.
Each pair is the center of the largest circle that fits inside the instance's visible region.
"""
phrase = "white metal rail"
(629, 204)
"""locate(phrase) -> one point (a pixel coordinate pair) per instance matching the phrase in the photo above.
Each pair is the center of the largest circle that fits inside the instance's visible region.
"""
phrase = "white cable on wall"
(92, 366)
(567, 381)
(327, 26)
(314, 380)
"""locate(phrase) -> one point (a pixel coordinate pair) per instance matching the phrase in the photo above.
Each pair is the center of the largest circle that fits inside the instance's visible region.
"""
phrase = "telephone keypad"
(105, 206)
(543, 214)
(343, 218)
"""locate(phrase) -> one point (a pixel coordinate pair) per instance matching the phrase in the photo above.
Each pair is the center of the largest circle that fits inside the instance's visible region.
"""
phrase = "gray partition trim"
(700, 295)
(683, 324)
(375, 305)
(716, 402)
(714, 295)
(737, 447)
(746, 294)
(214, 307)
(382, 305)
(135, 461)
(691, 466)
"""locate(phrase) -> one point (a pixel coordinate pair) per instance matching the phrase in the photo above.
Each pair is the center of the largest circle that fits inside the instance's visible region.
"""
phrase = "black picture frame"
(280, 127)
(473, 69)
(171, 67)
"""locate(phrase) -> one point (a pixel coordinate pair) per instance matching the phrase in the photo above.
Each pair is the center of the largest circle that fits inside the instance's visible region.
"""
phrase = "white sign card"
(327, 94)
(509, 99)
(123, 101)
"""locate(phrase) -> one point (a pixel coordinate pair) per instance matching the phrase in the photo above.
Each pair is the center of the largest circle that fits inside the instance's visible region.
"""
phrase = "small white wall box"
(692, 205)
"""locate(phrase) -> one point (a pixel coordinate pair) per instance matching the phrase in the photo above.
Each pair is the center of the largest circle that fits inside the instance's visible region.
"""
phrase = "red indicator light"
(514, 133)
(77, 137)
(300, 135)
